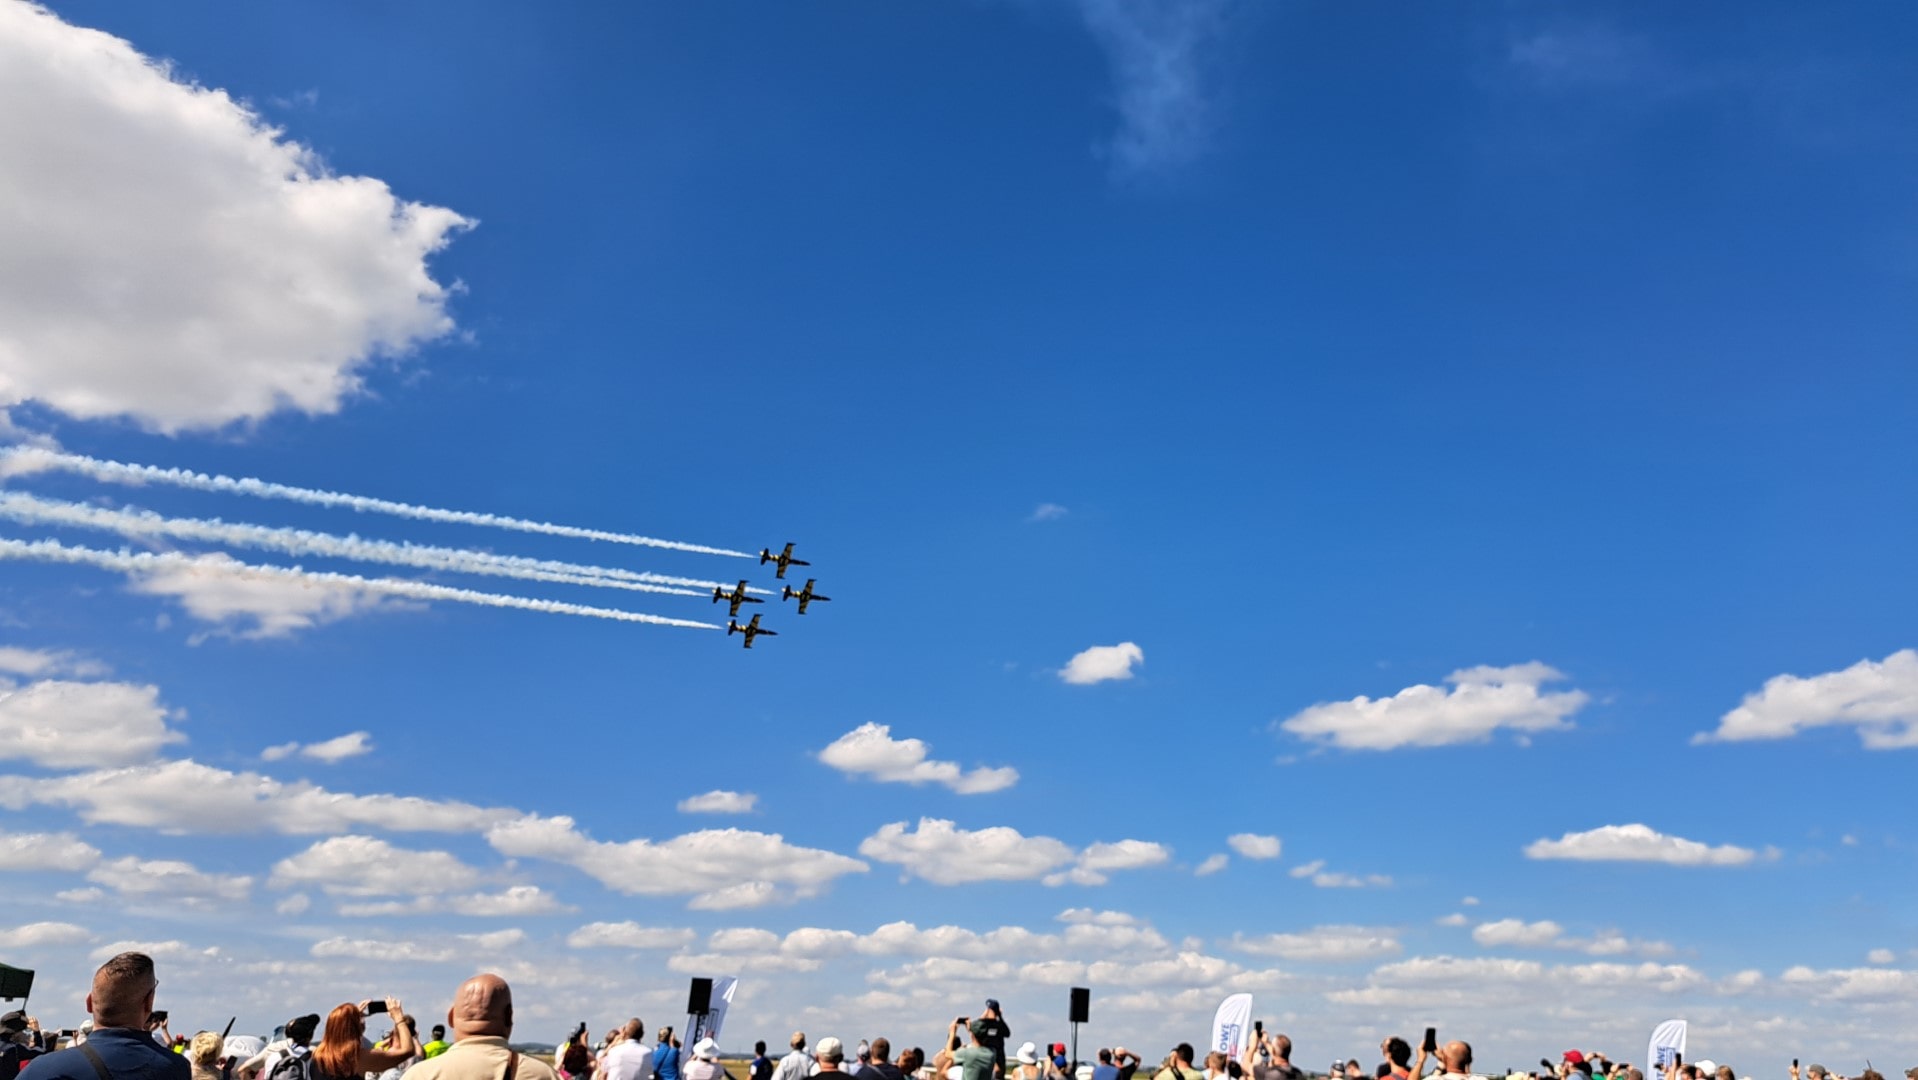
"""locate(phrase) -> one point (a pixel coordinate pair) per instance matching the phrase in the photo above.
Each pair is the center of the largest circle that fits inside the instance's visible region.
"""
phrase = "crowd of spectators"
(125, 1038)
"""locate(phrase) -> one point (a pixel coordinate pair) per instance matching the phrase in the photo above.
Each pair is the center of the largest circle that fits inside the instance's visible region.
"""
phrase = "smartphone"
(158, 1017)
(1677, 1059)
(1431, 1040)
(375, 1007)
(1258, 1027)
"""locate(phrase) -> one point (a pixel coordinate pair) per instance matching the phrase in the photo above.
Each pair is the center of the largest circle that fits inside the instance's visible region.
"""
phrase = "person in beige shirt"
(482, 1021)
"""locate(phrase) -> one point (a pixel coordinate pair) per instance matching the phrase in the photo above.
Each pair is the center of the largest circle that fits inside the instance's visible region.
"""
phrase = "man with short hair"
(482, 1022)
(438, 1045)
(1127, 1061)
(976, 1060)
(997, 1032)
(1178, 1064)
(1105, 1069)
(121, 1002)
(798, 1064)
(1278, 1052)
(1455, 1062)
(630, 1058)
(881, 1067)
(1398, 1055)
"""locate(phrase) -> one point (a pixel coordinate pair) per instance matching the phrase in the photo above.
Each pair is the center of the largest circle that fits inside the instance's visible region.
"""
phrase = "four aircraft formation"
(737, 595)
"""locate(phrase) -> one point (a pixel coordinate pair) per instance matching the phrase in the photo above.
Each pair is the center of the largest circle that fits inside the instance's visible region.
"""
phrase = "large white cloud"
(870, 750)
(183, 264)
(1103, 663)
(188, 797)
(941, 852)
(171, 879)
(1637, 843)
(719, 868)
(212, 590)
(73, 725)
(368, 866)
(1482, 700)
(1877, 698)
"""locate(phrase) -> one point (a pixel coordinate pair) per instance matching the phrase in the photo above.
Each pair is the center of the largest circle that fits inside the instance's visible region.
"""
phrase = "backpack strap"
(512, 1065)
(93, 1058)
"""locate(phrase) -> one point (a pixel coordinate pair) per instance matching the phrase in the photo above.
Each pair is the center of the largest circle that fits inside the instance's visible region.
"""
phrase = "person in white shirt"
(630, 1058)
(797, 1065)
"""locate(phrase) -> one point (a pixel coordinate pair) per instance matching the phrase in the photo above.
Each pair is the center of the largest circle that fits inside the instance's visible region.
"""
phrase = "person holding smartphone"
(1268, 1056)
(1398, 1055)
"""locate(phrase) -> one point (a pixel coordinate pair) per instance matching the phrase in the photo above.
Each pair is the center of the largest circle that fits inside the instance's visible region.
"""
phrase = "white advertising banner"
(723, 988)
(1668, 1041)
(1231, 1025)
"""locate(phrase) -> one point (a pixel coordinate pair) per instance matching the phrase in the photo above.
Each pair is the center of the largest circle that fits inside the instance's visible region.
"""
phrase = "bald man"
(121, 1002)
(482, 1021)
(1455, 1062)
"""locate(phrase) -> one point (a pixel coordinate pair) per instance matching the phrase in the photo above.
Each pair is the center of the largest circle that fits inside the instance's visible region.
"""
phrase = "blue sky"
(1422, 441)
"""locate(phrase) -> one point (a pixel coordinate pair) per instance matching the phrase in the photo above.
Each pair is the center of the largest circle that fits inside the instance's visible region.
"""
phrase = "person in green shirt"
(438, 1045)
(976, 1061)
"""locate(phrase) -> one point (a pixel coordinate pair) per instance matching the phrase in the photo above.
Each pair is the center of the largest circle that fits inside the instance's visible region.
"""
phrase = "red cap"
(1574, 1056)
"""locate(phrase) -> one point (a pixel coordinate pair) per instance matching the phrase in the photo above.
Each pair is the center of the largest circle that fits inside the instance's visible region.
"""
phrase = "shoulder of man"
(60, 1065)
(530, 1068)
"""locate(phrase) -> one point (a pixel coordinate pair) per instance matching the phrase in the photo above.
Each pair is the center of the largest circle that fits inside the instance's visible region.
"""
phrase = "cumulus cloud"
(1482, 701)
(719, 868)
(1254, 846)
(368, 866)
(1454, 919)
(42, 935)
(628, 935)
(870, 750)
(513, 902)
(1212, 865)
(1878, 699)
(719, 802)
(36, 663)
(1158, 51)
(187, 797)
(945, 854)
(1048, 512)
(72, 725)
(1323, 943)
(255, 605)
(1637, 843)
(185, 265)
(1515, 932)
(46, 851)
(171, 879)
(330, 751)
(1103, 663)
(1331, 879)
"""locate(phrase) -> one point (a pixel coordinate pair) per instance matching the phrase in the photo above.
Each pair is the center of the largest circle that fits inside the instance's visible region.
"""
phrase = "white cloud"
(45, 851)
(1454, 919)
(213, 589)
(944, 854)
(1323, 943)
(330, 751)
(1254, 846)
(1854, 985)
(184, 265)
(1513, 932)
(367, 866)
(1158, 52)
(72, 725)
(1212, 865)
(159, 950)
(1881, 956)
(187, 797)
(294, 905)
(511, 902)
(704, 864)
(41, 935)
(169, 878)
(36, 663)
(1306, 870)
(719, 802)
(1048, 512)
(1470, 901)
(870, 750)
(1877, 698)
(1335, 880)
(1637, 843)
(1482, 701)
(628, 935)
(1103, 663)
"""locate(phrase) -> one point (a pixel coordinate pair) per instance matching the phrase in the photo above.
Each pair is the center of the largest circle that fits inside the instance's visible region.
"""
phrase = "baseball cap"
(831, 1049)
(1574, 1056)
(15, 1020)
(993, 1004)
(981, 1028)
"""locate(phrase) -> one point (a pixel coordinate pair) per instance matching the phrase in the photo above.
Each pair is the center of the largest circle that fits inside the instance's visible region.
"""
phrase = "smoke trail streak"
(18, 460)
(137, 562)
(33, 510)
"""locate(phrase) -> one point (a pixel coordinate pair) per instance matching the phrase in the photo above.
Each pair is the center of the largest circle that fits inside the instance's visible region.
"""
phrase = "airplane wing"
(803, 601)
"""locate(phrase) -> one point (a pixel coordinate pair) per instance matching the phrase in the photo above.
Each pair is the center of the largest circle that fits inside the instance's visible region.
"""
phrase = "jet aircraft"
(804, 596)
(737, 596)
(784, 559)
(751, 630)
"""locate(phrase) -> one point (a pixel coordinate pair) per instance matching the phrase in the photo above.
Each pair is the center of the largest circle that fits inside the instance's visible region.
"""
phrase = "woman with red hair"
(344, 1053)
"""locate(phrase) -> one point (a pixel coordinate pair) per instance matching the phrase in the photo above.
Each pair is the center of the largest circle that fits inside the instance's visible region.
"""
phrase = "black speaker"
(1081, 1006)
(699, 1001)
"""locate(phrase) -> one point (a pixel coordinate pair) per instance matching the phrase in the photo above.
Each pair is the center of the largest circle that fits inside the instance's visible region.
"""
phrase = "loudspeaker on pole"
(1081, 1006)
(699, 1000)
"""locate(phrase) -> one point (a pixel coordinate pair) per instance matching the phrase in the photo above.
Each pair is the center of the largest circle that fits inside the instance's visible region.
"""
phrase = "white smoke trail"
(137, 562)
(20, 460)
(34, 510)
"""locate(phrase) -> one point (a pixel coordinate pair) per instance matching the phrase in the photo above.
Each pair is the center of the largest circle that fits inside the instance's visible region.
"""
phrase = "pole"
(1075, 1050)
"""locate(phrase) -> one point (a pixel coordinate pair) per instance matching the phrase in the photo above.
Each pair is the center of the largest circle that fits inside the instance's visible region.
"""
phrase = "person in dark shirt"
(997, 1031)
(881, 1067)
(121, 1002)
(762, 1065)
